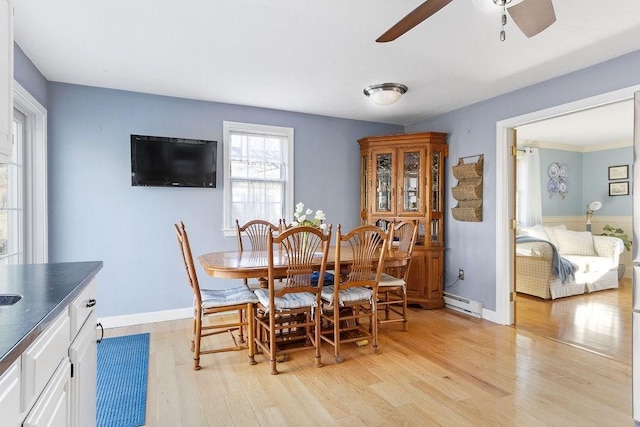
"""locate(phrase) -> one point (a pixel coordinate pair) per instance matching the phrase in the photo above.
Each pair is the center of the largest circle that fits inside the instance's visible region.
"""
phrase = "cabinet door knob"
(91, 302)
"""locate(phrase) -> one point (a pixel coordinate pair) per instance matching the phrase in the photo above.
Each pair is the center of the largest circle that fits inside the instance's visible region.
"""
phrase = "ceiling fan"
(531, 16)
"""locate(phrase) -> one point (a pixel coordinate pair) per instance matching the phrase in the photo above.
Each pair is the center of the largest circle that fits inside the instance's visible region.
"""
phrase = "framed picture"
(619, 188)
(619, 172)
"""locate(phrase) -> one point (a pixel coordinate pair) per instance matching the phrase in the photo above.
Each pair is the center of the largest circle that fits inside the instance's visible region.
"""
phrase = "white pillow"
(551, 232)
(575, 242)
(536, 231)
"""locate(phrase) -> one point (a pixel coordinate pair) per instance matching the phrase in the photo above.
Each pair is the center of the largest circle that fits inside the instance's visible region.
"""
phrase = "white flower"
(301, 218)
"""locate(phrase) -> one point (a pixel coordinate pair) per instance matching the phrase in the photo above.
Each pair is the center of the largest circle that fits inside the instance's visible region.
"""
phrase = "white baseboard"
(491, 316)
(144, 318)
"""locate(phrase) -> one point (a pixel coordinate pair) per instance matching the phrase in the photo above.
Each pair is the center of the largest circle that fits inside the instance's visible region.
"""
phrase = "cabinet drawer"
(41, 359)
(82, 306)
(52, 408)
(10, 395)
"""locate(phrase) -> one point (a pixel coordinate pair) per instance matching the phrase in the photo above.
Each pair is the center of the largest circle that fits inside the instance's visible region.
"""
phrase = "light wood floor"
(448, 369)
(599, 322)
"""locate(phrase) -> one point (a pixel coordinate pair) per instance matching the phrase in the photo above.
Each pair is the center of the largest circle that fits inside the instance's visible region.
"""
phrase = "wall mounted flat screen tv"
(173, 162)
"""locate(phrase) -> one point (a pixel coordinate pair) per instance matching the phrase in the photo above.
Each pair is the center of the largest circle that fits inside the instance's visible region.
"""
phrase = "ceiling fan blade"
(533, 16)
(418, 15)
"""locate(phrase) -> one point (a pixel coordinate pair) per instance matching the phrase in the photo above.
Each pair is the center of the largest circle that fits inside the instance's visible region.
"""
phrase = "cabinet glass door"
(384, 183)
(412, 182)
(435, 202)
(364, 190)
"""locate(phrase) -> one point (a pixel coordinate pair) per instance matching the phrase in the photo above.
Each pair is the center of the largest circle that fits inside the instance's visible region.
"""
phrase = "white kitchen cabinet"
(83, 354)
(53, 406)
(10, 395)
(6, 79)
(57, 376)
(42, 358)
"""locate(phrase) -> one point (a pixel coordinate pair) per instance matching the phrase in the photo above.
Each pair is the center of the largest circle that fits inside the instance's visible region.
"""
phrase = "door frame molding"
(505, 280)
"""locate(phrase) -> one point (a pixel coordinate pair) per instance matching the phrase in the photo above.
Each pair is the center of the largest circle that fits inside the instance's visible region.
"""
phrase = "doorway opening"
(505, 206)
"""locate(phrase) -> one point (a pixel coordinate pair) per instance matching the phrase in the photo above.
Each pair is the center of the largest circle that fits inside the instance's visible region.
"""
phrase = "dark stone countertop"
(47, 290)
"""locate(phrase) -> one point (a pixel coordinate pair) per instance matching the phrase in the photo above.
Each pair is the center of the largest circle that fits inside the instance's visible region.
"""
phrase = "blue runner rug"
(122, 381)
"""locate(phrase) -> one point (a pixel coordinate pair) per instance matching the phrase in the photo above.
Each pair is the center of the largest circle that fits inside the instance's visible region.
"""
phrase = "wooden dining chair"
(256, 232)
(212, 302)
(352, 298)
(392, 288)
(287, 316)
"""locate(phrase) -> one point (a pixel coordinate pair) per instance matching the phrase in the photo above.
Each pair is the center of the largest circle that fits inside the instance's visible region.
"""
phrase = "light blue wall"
(29, 76)
(588, 181)
(472, 130)
(596, 181)
(95, 213)
(572, 201)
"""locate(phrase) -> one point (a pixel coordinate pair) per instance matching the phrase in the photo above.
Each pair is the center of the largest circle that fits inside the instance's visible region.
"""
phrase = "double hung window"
(23, 185)
(258, 169)
(11, 197)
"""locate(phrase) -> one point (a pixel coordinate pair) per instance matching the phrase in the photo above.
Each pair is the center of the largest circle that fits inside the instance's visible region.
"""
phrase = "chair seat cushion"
(225, 297)
(288, 301)
(356, 293)
(387, 280)
(328, 278)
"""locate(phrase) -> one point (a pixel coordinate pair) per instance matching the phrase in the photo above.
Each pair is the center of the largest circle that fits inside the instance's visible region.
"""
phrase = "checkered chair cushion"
(387, 280)
(356, 293)
(287, 301)
(225, 297)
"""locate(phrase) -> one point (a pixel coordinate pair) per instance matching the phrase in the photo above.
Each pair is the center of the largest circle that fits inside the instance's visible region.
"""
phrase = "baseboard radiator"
(463, 305)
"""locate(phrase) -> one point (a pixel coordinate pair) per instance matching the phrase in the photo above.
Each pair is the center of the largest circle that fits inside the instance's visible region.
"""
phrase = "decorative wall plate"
(554, 186)
(563, 187)
(564, 171)
(554, 170)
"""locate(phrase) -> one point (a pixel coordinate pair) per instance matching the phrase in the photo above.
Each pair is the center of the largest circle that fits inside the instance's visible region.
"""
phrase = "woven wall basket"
(468, 170)
(467, 214)
(468, 191)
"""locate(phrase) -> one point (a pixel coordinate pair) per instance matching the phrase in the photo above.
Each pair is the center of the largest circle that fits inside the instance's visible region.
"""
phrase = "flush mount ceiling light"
(385, 93)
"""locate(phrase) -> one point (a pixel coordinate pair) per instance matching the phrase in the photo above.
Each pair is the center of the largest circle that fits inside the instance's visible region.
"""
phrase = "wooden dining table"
(254, 264)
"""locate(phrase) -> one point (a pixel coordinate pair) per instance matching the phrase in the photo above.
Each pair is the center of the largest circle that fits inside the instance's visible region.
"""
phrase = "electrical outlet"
(460, 274)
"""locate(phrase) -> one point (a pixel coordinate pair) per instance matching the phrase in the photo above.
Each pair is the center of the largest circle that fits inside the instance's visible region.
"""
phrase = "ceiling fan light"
(385, 93)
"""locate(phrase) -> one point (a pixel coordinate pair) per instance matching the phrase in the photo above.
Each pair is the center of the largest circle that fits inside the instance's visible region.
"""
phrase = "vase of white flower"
(303, 217)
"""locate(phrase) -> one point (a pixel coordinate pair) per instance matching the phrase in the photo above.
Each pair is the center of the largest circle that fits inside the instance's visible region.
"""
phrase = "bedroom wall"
(472, 130)
(552, 203)
(596, 181)
(588, 181)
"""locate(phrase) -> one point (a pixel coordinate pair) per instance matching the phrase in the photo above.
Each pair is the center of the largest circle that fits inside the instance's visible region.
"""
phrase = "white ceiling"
(315, 56)
(601, 126)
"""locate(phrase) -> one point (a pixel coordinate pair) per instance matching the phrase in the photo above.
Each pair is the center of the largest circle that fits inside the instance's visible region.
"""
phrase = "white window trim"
(36, 224)
(226, 128)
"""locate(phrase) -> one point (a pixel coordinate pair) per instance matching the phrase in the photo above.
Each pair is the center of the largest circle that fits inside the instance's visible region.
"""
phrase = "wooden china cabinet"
(402, 177)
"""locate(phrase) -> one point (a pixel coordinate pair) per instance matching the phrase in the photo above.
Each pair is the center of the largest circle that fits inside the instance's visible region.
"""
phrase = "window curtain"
(529, 205)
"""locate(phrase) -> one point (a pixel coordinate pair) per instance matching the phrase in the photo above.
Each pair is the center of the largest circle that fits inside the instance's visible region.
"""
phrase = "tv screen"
(173, 162)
